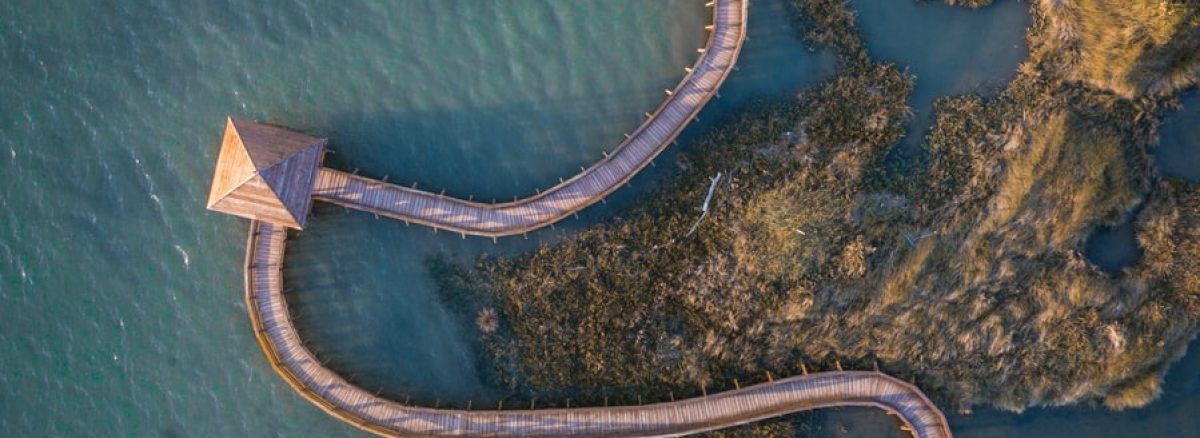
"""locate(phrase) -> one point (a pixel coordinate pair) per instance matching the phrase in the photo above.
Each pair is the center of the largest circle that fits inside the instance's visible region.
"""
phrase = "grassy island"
(962, 270)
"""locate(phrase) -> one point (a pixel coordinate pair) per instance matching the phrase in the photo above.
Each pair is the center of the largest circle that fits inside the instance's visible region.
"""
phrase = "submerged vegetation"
(567, 322)
(973, 4)
(963, 271)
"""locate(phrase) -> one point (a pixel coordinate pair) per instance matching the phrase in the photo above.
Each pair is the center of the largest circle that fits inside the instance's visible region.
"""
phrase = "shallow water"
(1114, 248)
(360, 287)
(952, 53)
(1173, 414)
(950, 50)
(120, 296)
(1178, 153)
(1177, 156)
(503, 109)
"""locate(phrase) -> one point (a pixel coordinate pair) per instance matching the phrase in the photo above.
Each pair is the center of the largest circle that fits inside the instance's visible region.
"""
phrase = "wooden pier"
(301, 369)
(593, 184)
(269, 175)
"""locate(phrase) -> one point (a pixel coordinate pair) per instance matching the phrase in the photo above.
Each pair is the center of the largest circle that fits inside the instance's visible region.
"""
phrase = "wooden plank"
(300, 369)
(591, 185)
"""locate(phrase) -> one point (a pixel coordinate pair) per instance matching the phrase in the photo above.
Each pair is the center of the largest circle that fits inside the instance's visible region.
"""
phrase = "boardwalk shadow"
(487, 152)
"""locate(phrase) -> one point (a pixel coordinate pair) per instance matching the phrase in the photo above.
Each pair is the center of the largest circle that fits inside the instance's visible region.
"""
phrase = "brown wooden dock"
(269, 175)
(306, 374)
(717, 60)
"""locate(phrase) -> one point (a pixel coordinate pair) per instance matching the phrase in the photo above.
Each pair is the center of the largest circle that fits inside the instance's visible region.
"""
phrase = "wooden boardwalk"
(302, 370)
(292, 360)
(717, 60)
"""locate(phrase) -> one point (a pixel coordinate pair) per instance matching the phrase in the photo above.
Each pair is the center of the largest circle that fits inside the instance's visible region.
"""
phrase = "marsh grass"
(831, 23)
(962, 271)
(1131, 48)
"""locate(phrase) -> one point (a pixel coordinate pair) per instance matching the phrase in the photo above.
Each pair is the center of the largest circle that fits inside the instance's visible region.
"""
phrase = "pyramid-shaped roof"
(265, 173)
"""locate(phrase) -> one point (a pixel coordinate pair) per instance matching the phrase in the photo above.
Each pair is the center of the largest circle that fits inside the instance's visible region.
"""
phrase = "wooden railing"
(301, 369)
(699, 85)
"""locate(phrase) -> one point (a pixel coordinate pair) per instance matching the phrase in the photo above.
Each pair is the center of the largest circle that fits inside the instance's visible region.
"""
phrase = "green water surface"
(120, 297)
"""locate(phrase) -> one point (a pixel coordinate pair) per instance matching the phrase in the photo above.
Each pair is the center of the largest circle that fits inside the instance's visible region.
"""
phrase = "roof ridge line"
(258, 172)
(233, 187)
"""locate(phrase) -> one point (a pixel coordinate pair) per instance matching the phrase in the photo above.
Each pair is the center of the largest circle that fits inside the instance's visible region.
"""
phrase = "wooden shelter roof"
(265, 173)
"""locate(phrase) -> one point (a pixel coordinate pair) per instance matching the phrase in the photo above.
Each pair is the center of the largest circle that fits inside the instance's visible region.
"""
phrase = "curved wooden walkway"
(718, 58)
(302, 370)
(277, 335)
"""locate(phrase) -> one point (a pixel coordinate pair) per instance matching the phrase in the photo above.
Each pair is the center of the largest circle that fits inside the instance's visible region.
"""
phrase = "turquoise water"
(493, 101)
(360, 286)
(120, 296)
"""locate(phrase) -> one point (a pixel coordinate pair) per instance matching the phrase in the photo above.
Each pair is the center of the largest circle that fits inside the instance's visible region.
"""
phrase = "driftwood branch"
(712, 187)
(912, 241)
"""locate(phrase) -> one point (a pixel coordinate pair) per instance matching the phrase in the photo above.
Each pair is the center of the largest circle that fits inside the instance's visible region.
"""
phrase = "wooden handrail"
(591, 185)
(298, 366)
